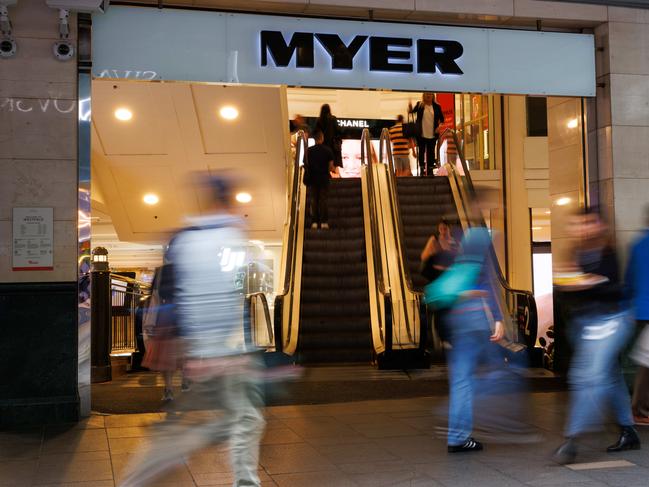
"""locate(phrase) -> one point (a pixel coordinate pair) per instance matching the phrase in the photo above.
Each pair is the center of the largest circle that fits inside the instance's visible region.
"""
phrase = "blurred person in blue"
(225, 378)
(637, 286)
(600, 326)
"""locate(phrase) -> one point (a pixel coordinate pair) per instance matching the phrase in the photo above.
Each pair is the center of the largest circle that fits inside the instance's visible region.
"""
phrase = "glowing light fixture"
(229, 112)
(123, 114)
(151, 199)
(243, 197)
(548, 212)
(537, 228)
(573, 123)
(563, 201)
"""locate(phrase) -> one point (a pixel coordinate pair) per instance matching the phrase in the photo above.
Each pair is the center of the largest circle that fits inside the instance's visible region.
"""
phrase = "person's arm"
(331, 166)
(429, 249)
(498, 333)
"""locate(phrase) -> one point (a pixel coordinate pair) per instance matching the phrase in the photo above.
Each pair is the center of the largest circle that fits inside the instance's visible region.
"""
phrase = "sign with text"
(189, 45)
(33, 239)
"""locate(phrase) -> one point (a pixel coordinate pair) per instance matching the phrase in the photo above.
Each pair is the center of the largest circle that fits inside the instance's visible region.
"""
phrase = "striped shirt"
(400, 144)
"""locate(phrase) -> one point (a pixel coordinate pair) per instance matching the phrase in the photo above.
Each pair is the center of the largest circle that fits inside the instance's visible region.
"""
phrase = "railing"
(127, 296)
(380, 299)
(287, 301)
(415, 328)
(520, 304)
(258, 328)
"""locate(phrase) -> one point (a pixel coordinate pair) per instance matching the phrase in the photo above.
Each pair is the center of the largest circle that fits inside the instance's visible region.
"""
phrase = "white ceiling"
(176, 130)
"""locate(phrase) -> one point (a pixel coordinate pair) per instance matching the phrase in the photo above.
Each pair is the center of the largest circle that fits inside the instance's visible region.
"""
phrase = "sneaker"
(314, 226)
(469, 445)
(325, 226)
(168, 396)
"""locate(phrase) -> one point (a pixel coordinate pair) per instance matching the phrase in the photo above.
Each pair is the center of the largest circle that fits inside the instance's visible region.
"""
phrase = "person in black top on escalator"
(327, 123)
(439, 252)
(318, 166)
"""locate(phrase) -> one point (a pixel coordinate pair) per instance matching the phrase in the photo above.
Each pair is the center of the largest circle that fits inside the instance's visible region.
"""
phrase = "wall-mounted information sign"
(33, 239)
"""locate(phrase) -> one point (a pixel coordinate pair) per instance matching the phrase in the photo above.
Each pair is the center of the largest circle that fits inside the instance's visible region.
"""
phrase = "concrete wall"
(623, 121)
(38, 138)
(38, 168)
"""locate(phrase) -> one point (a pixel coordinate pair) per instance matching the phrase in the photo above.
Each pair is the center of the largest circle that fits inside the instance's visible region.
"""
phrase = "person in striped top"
(401, 147)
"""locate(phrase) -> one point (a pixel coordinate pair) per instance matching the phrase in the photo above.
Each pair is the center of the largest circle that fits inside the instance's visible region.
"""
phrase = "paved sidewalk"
(369, 443)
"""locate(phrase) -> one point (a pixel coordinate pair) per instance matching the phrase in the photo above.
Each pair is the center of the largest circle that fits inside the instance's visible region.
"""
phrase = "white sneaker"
(324, 226)
(314, 226)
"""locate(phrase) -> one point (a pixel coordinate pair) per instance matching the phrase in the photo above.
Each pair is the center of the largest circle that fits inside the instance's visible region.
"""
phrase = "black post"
(100, 316)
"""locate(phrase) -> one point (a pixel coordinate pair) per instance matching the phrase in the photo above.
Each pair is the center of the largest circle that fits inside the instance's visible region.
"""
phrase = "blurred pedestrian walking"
(637, 282)
(600, 327)
(225, 377)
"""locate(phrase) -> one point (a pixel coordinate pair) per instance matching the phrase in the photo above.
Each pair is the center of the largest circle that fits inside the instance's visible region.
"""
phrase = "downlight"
(243, 197)
(123, 114)
(229, 112)
(151, 199)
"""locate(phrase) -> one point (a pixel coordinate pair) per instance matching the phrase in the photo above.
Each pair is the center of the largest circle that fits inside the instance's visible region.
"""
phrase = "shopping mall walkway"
(368, 443)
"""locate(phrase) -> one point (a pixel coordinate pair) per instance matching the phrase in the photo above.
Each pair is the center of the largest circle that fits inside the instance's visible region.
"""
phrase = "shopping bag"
(447, 289)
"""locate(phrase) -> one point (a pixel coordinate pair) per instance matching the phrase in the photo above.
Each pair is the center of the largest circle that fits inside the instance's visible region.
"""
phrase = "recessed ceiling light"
(151, 199)
(243, 197)
(537, 228)
(548, 212)
(573, 123)
(229, 112)
(123, 114)
(563, 201)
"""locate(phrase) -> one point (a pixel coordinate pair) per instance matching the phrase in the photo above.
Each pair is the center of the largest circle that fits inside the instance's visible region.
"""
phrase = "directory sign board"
(33, 239)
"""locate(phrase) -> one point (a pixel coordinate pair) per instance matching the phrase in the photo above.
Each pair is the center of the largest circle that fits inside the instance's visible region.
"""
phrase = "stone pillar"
(38, 168)
(623, 121)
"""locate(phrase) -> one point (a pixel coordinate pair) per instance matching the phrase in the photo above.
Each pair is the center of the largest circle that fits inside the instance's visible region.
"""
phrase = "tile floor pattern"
(370, 443)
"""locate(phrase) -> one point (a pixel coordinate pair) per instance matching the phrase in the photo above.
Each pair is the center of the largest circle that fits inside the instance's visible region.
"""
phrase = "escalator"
(423, 202)
(334, 310)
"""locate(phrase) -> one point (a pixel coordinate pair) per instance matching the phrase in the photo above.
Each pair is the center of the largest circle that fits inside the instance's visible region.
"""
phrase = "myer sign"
(220, 47)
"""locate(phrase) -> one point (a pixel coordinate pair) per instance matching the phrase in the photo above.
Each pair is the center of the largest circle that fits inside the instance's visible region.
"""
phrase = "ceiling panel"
(245, 134)
(144, 132)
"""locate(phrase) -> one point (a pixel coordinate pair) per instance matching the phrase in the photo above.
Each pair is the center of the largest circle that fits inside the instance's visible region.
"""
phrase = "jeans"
(426, 155)
(463, 359)
(595, 375)
(238, 396)
(319, 210)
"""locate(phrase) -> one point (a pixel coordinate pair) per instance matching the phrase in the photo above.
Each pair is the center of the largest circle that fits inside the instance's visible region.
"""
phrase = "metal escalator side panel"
(377, 304)
(291, 314)
(405, 320)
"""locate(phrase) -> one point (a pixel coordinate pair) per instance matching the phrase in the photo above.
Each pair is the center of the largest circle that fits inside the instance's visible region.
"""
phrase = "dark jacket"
(332, 137)
(418, 109)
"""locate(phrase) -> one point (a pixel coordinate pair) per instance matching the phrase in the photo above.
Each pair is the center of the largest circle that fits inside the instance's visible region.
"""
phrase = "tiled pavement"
(370, 443)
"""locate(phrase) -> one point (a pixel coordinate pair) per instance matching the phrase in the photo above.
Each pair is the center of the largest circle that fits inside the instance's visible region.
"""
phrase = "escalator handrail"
(385, 141)
(293, 218)
(385, 153)
(468, 184)
(264, 303)
(366, 149)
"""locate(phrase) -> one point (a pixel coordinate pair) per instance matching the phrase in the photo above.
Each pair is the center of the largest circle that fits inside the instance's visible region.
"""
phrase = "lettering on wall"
(389, 54)
(361, 124)
(128, 74)
(43, 105)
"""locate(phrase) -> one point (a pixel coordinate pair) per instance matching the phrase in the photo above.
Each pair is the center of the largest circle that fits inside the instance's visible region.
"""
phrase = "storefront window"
(473, 117)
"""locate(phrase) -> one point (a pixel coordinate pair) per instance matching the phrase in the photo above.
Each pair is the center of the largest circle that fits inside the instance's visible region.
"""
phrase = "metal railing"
(258, 328)
(382, 305)
(287, 300)
(519, 303)
(127, 296)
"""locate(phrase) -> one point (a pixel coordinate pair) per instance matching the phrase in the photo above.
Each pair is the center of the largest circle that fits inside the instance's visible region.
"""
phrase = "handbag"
(411, 129)
(446, 290)
(640, 352)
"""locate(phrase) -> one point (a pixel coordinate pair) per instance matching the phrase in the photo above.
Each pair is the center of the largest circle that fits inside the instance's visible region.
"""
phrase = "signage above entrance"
(244, 48)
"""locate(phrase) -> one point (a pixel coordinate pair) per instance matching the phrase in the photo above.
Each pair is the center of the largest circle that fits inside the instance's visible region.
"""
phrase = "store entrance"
(148, 138)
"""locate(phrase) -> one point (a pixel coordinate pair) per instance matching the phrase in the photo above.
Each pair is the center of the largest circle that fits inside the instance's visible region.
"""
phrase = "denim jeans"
(595, 374)
(238, 397)
(463, 359)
